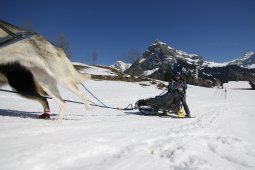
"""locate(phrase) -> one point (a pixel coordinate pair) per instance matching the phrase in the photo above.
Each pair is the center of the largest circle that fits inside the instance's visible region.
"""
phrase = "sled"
(159, 105)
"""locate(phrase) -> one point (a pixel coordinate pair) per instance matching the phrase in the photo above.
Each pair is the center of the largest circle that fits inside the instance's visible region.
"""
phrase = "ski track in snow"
(221, 136)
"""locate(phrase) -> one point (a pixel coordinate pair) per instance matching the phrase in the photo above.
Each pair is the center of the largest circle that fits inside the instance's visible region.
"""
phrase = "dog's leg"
(49, 85)
(41, 99)
(75, 89)
(22, 80)
(52, 91)
(45, 104)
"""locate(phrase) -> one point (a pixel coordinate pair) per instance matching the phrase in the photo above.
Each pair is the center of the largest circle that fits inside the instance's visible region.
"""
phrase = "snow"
(98, 71)
(246, 61)
(142, 60)
(252, 66)
(121, 66)
(150, 72)
(94, 69)
(237, 84)
(214, 64)
(182, 53)
(156, 42)
(221, 136)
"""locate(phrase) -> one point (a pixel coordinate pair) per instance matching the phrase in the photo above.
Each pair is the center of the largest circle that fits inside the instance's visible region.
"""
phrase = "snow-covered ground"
(221, 136)
(95, 70)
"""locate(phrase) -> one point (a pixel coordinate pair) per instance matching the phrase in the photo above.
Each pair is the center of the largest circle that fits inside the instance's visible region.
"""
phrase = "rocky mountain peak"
(161, 61)
(164, 52)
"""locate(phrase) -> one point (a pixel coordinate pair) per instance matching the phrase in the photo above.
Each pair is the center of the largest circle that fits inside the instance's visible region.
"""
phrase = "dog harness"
(8, 37)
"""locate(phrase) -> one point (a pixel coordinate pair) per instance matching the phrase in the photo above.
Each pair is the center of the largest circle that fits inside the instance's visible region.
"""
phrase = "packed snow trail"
(220, 137)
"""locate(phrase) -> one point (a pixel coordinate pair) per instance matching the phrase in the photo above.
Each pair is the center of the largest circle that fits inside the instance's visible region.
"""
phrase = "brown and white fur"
(34, 67)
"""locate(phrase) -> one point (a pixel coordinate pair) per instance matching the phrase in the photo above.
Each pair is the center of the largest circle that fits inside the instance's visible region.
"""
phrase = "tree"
(93, 57)
(63, 43)
(131, 56)
(87, 59)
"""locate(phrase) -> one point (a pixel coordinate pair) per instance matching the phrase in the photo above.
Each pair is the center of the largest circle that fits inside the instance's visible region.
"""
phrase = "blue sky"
(218, 30)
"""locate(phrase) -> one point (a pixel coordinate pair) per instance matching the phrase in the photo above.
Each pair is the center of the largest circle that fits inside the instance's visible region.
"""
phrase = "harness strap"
(14, 37)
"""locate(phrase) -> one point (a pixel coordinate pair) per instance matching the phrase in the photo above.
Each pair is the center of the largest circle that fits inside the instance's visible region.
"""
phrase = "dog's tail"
(72, 72)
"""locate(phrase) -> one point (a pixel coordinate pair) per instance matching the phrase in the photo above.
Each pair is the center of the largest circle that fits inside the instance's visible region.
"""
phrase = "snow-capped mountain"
(121, 66)
(166, 53)
(161, 61)
(247, 61)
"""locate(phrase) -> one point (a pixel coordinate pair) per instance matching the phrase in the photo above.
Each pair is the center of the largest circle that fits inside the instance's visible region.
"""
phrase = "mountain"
(247, 61)
(161, 61)
(121, 66)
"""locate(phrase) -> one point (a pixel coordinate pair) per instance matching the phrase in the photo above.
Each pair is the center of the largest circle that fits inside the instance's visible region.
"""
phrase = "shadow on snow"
(20, 114)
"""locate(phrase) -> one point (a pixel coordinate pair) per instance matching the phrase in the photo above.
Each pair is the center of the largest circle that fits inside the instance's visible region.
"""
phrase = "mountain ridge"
(161, 61)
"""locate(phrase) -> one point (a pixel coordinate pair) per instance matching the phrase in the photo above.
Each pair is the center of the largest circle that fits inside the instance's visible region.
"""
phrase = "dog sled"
(169, 102)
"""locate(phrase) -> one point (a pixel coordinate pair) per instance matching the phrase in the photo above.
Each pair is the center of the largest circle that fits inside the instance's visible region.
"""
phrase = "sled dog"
(34, 67)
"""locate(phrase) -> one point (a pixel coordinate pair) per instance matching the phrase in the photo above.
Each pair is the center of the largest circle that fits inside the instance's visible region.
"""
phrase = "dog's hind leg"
(71, 85)
(22, 80)
(49, 85)
(43, 101)
(52, 91)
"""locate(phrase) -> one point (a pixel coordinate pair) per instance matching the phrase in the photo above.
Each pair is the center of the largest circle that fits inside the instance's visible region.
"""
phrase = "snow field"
(221, 136)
